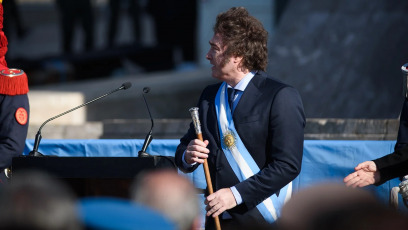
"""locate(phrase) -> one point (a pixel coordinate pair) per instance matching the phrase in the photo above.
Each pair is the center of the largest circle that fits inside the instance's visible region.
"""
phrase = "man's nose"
(207, 56)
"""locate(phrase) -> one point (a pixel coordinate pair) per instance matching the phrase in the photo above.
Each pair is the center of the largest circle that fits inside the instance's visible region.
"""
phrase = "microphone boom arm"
(38, 135)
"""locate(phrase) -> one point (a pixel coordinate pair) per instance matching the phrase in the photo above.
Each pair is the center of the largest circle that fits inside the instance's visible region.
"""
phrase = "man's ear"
(237, 59)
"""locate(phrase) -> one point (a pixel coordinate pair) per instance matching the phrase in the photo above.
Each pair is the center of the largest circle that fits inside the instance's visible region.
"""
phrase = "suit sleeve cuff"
(236, 194)
(185, 164)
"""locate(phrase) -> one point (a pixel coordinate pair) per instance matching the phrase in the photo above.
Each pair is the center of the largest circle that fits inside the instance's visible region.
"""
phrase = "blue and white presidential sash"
(241, 160)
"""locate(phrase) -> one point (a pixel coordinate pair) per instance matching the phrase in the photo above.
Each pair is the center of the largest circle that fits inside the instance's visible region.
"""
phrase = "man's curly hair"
(244, 36)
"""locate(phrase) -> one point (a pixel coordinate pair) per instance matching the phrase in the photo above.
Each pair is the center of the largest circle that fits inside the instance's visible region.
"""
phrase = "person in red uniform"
(14, 107)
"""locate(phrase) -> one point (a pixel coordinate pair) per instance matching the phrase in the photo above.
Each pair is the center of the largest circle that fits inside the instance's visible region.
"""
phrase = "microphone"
(404, 70)
(38, 137)
(148, 139)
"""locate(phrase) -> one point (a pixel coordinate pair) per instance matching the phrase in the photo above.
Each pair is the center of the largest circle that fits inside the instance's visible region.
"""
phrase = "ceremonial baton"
(197, 126)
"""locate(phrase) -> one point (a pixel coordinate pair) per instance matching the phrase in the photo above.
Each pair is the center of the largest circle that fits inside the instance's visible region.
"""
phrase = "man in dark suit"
(254, 145)
(387, 167)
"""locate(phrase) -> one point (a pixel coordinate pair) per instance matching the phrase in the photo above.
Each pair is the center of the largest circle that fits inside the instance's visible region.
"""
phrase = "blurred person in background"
(73, 12)
(133, 9)
(175, 23)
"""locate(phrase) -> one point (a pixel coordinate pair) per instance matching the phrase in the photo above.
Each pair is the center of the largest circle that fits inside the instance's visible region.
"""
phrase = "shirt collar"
(244, 81)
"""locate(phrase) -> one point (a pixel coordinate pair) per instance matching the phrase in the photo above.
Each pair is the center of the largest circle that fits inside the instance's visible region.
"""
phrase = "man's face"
(222, 66)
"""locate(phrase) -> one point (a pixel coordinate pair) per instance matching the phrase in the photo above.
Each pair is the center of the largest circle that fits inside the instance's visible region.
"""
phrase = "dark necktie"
(231, 95)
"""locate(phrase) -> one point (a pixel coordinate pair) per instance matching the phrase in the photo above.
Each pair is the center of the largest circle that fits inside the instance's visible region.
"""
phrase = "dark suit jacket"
(270, 120)
(12, 133)
(402, 139)
(396, 164)
(393, 165)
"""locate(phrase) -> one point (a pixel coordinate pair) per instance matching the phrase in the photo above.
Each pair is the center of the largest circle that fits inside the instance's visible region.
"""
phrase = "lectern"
(94, 176)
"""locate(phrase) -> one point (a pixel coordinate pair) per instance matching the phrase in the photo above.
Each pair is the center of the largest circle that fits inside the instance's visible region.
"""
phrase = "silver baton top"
(196, 119)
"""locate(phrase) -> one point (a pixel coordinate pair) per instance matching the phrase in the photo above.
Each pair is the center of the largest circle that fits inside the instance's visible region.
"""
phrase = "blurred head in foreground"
(34, 200)
(334, 206)
(169, 193)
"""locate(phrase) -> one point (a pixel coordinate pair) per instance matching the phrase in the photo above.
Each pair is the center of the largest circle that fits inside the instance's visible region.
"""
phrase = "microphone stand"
(148, 139)
(38, 135)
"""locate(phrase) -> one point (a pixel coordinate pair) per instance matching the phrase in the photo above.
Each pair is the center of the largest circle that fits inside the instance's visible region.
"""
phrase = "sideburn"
(225, 60)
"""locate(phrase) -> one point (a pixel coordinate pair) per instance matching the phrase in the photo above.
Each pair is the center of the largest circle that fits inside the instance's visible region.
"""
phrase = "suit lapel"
(250, 95)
